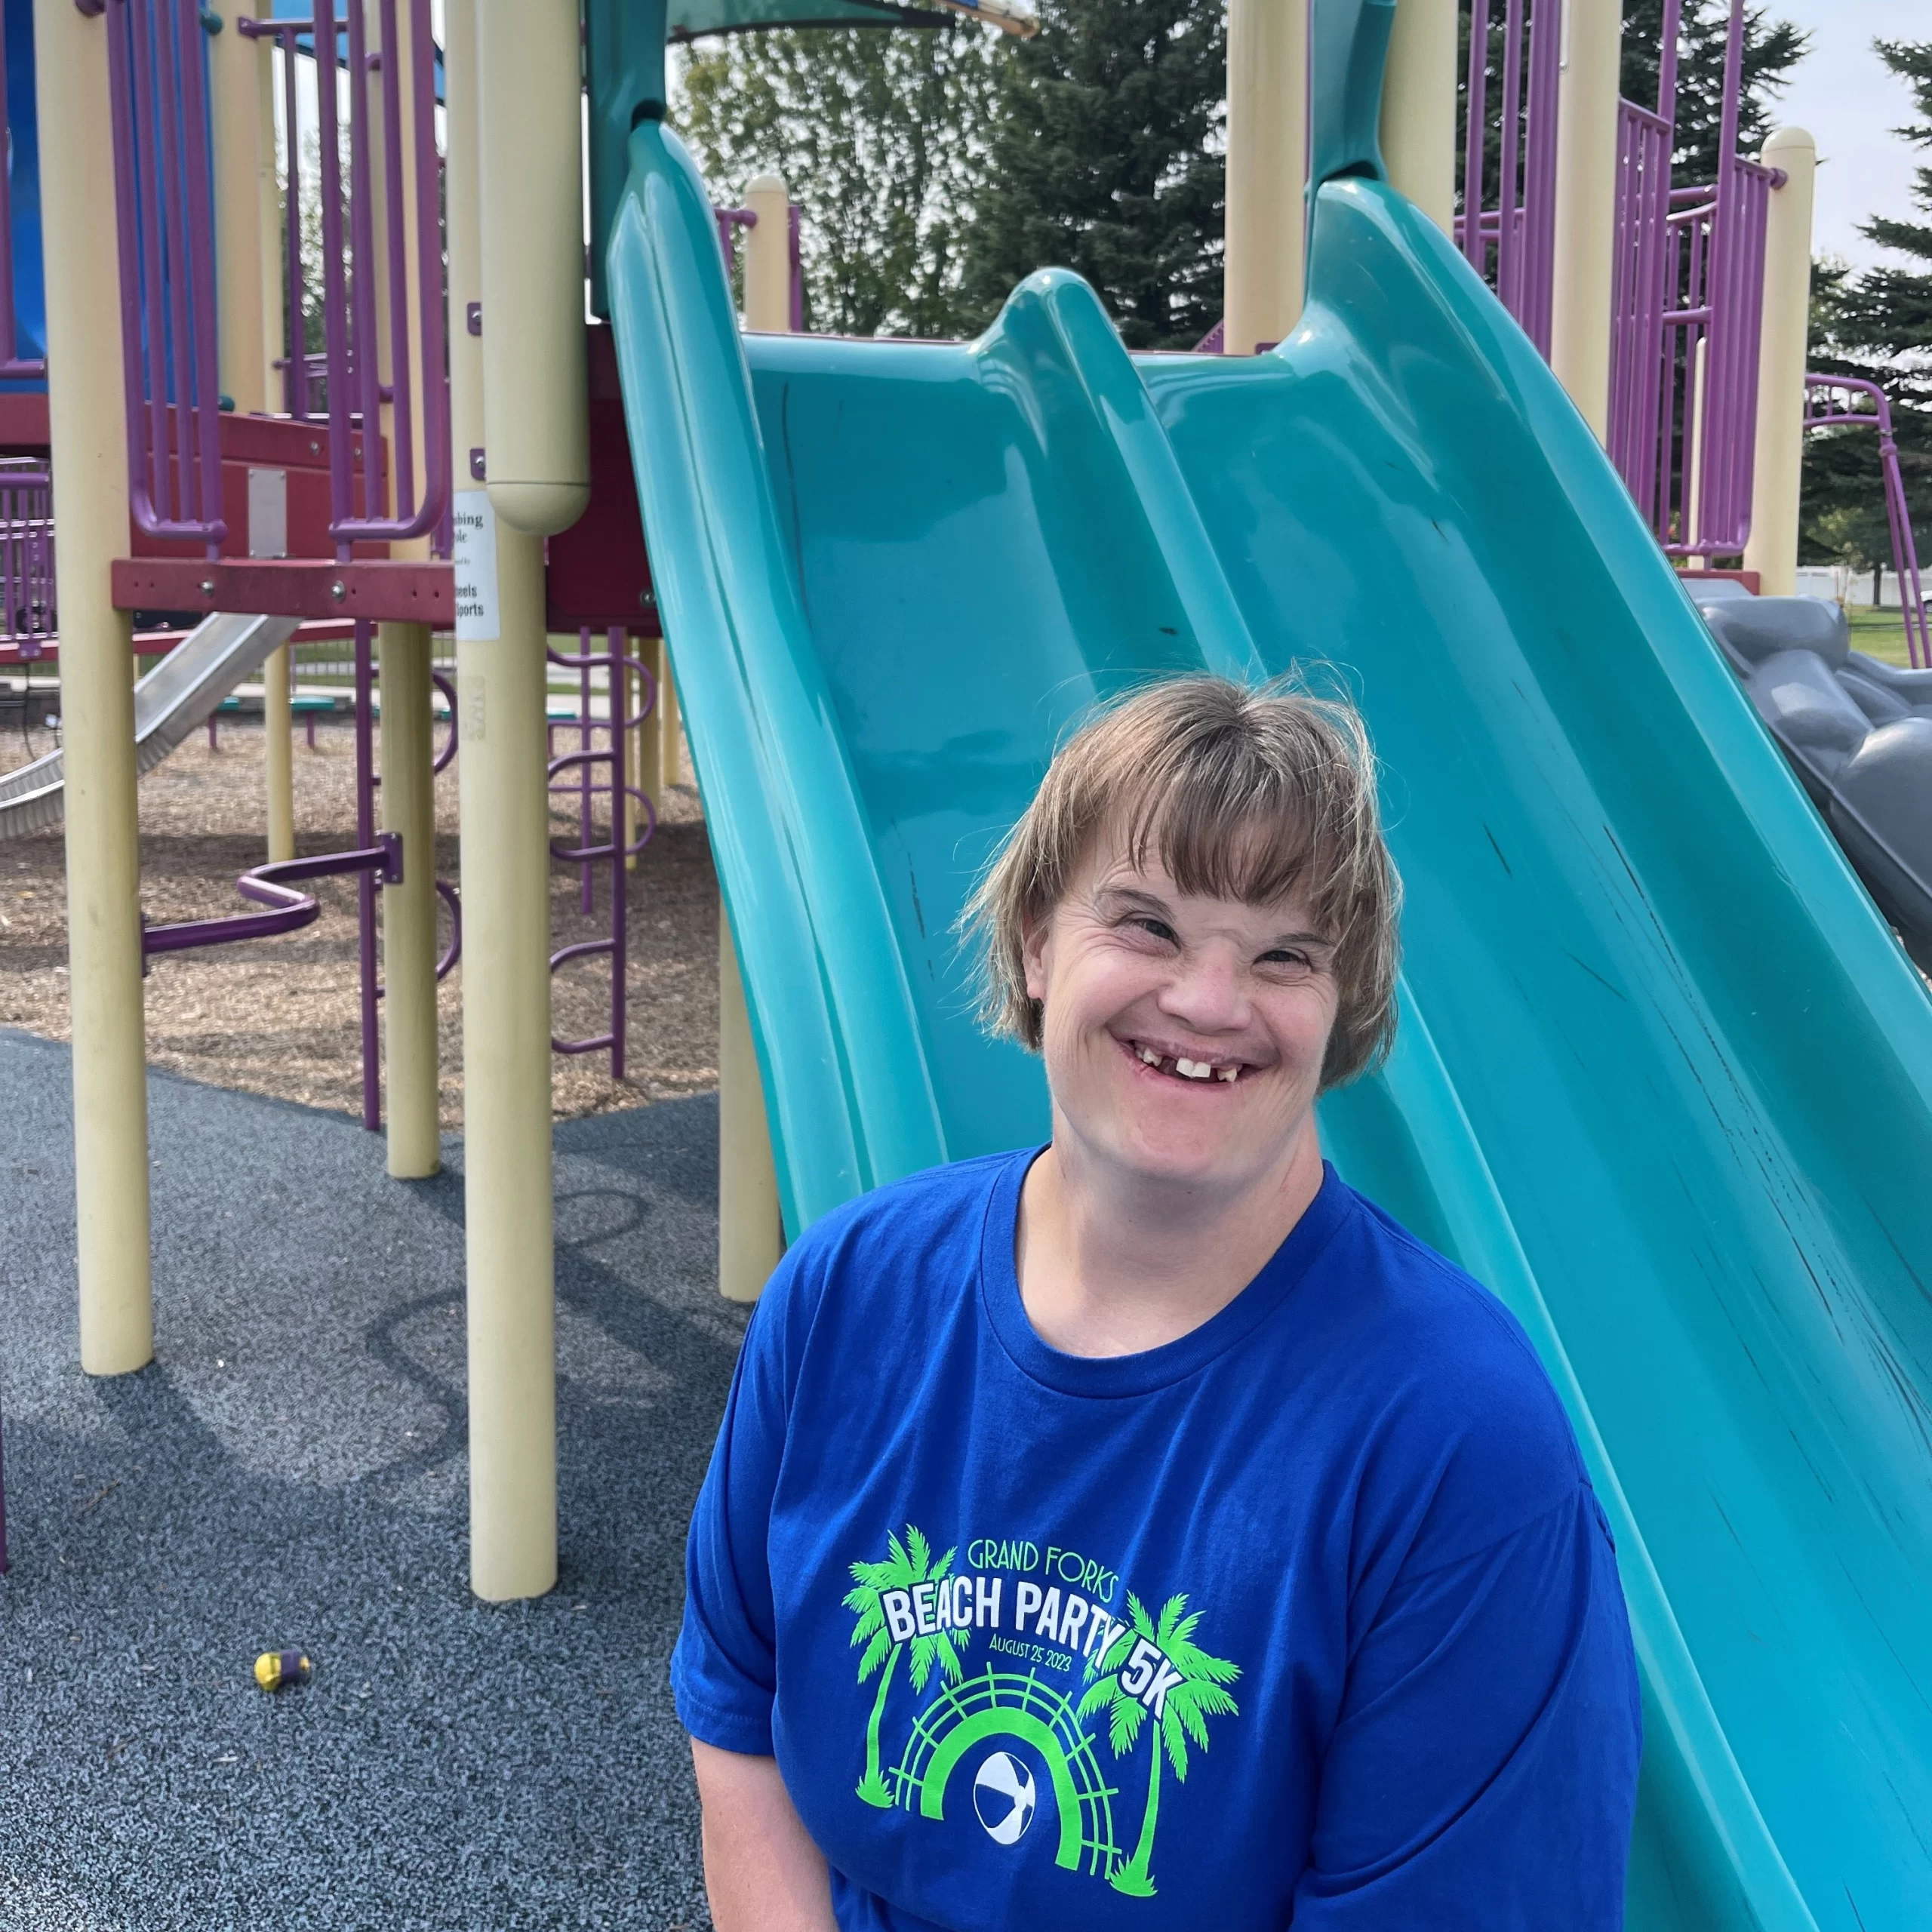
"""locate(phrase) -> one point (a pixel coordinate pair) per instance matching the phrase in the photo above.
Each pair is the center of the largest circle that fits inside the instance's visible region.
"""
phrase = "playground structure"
(1662, 1070)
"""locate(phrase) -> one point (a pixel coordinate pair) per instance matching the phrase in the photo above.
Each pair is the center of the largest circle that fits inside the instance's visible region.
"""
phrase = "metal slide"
(1665, 1078)
(175, 697)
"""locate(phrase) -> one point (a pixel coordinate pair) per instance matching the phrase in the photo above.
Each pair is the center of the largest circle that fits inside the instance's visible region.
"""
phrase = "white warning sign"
(476, 562)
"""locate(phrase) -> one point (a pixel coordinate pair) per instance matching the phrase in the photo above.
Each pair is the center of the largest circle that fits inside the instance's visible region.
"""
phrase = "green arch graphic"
(1004, 1704)
(1029, 1730)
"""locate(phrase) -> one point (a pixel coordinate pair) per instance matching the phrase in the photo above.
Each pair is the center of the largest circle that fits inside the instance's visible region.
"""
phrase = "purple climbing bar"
(579, 771)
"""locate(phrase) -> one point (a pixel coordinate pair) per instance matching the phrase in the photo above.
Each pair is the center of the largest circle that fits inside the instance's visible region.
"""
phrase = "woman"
(1146, 1530)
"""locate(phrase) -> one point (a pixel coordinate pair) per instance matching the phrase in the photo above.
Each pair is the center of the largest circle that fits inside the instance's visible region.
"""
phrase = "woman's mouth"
(1181, 1066)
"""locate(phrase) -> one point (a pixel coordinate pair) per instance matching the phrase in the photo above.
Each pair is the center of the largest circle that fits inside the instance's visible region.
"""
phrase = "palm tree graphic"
(906, 1565)
(1155, 1668)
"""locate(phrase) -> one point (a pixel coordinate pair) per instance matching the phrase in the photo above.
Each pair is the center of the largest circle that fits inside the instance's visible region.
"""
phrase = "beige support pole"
(1267, 170)
(1419, 107)
(768, 255)
(278, 669)
(670, 737)
(268, 202)
(535, 379)
(507, 1187)
(409, 909)
(1777, 464)
(750, 1236)
(641, 746)
(278, 727)
(89, 437)
(235, 66)
(1694, 461)
(243, 144)
(1586, 95)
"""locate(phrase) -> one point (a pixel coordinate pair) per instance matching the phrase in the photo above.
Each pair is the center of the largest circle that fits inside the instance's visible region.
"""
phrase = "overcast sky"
(1850, 102)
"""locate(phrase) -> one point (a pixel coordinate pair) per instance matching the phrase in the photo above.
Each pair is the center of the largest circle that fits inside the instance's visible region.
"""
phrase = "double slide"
(1665, 1076)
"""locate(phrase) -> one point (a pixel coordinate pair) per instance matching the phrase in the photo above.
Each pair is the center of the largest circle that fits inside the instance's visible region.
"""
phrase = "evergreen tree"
(1771, 49)
(881, 137)
(1105, 156)
(1878, 325)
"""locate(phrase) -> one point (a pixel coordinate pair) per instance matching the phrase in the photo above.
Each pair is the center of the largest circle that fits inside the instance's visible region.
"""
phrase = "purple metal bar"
(396, 505)
(615, 661)
(365, 899)
(1520, 230)
(296, 398)
(1905, 550)
(585, 738)
(440, 761)
(164, 233)
(272, 885)
(447, 893)
(1509, 265)
(1473, 146)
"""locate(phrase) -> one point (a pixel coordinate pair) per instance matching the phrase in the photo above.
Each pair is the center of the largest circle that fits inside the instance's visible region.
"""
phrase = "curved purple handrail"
(270, 885)
(1905, 551)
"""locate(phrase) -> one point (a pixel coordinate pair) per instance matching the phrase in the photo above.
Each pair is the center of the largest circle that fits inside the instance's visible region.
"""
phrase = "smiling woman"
(1173, 1340)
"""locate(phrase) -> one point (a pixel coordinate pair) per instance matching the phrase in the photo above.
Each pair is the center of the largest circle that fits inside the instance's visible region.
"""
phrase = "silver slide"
(174, 697)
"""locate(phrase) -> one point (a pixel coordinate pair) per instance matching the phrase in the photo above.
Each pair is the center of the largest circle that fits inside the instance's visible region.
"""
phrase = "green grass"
(1879, 634)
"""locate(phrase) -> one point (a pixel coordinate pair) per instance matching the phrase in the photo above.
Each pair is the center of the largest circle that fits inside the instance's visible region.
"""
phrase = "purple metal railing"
(11, 366)
(1686, 301)
(1822, 411)
(165, 225)
(1513, 245)
(26, 554)
(302, 374)
(584, 763)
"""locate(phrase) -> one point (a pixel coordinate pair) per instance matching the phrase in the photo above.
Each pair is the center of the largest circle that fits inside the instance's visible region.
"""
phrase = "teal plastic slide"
(1665, 1077)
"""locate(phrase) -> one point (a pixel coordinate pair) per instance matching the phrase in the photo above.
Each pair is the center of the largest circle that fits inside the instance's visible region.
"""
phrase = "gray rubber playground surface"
(291, 1471)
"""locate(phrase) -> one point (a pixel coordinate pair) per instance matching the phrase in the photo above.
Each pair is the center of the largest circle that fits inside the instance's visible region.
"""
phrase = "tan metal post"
(278, 670)
(409, 909)
(670, 741)
(408, 802)
(1586, 96)
(1267, 170)
(236, 68)
(535, 372)
(751, 1237)
(1419, 107)
(507, 1186)
(268, 201)
(88, 435)
(1777, 459)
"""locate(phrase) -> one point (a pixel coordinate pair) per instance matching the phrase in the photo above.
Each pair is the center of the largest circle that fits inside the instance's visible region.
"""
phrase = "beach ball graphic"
(1004, 1796)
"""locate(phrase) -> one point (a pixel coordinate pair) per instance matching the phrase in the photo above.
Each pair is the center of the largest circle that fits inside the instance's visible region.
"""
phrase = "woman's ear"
(1036, 948)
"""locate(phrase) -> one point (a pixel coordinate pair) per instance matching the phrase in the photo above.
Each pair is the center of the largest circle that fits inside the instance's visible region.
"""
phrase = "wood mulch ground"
(281, 1016)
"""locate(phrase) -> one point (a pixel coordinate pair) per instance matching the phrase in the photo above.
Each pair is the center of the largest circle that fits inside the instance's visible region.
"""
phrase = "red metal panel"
(409, 592)
(598, 573)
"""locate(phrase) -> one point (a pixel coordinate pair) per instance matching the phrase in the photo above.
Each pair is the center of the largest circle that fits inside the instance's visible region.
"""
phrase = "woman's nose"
(1206, 991)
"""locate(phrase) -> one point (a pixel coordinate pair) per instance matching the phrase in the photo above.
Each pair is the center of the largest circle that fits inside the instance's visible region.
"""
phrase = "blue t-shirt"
(1310, 1616)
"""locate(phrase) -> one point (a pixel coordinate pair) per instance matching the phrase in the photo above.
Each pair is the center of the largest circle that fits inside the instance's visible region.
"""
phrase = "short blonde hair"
(1250, 795)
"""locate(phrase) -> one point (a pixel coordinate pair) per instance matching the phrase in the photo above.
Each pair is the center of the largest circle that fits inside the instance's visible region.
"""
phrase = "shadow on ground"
(291, 1471)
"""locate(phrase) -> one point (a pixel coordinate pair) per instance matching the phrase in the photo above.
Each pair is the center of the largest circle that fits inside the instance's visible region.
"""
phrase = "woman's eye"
(1287, 961)
(1157, 928)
